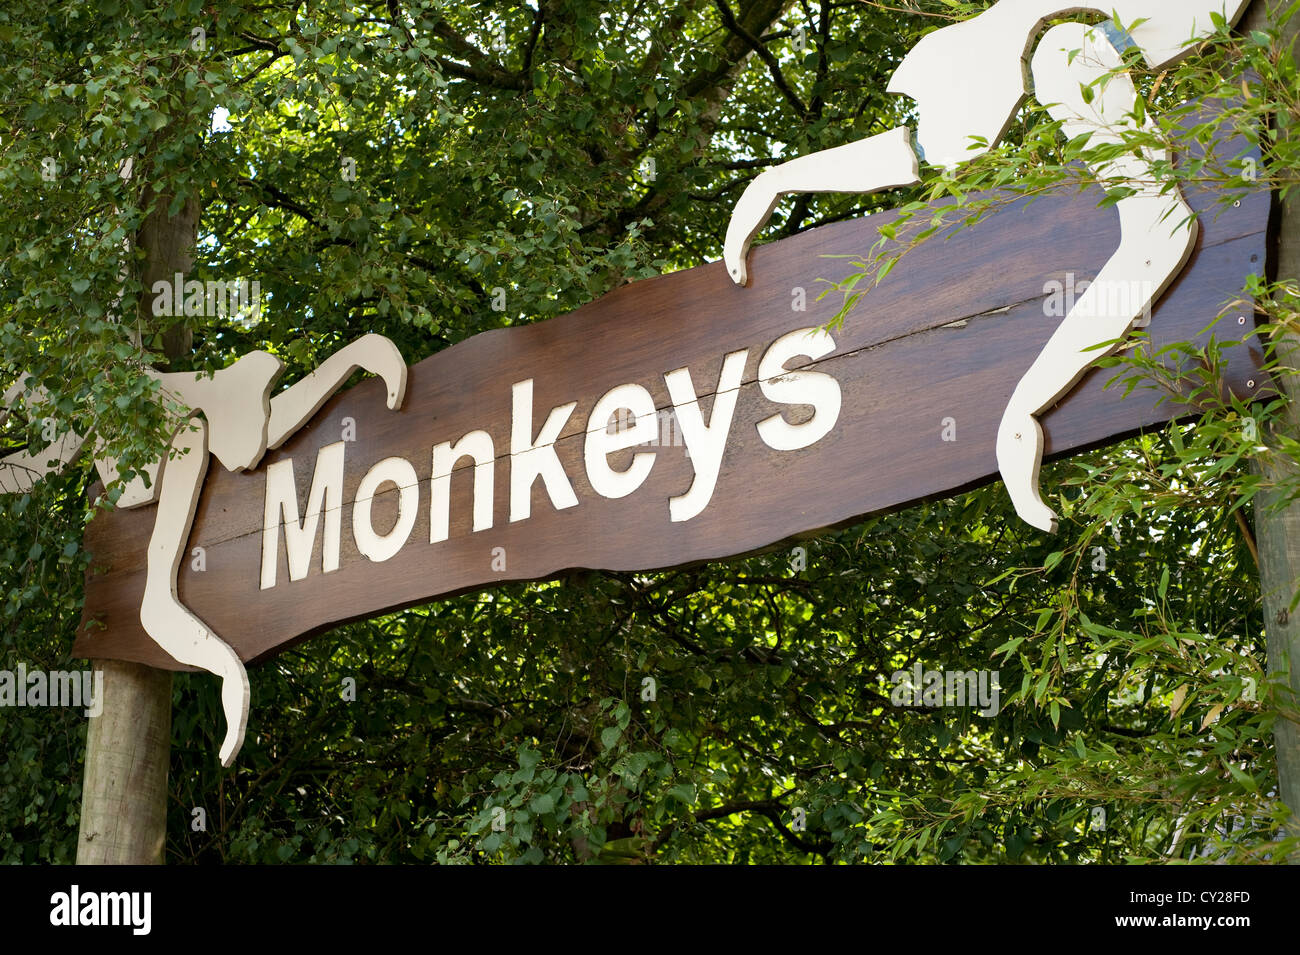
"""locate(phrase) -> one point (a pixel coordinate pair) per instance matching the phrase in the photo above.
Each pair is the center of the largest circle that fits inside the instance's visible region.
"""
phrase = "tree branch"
(764, 54)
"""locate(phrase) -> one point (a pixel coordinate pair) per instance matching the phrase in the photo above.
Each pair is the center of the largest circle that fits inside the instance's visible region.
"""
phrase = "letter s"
(814, 388)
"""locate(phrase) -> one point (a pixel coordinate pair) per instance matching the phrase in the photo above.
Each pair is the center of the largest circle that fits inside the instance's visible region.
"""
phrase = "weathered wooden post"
(124, 788)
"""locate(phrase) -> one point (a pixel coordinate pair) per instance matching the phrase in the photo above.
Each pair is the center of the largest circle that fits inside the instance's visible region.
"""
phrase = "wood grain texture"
(124, 788)
(947, 335)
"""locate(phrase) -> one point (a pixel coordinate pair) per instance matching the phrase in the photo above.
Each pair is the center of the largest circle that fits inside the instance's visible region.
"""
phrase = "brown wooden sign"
(513, 458)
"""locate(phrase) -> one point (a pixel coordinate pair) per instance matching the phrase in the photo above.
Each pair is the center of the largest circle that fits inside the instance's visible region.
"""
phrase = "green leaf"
(683, 793)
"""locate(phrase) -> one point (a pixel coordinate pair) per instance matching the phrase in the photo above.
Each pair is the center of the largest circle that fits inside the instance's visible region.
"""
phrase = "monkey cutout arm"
(294, 407)
(967, 79)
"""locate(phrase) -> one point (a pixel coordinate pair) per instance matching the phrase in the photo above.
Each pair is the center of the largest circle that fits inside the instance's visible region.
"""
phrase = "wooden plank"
(948, 335)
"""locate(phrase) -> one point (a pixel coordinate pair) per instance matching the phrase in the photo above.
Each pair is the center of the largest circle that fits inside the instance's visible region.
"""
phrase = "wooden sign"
(679, 419)
(686, 418)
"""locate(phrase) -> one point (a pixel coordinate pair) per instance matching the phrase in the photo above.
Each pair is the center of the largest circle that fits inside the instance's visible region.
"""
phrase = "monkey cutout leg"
(174, 628)
(868, 165)
(1157, 236)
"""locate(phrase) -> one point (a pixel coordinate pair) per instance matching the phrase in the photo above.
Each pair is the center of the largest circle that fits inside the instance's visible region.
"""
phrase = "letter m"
(64, 686)
(300, 535)
(119, 904)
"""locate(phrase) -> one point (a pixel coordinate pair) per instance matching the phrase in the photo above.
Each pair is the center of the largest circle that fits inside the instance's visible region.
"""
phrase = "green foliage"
(41, 568)
(516, 725)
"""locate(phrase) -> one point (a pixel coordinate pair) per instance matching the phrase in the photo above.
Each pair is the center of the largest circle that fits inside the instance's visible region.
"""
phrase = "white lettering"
(529, 458)
(798, 388)
(476, 445)
(704, 443)
(281, 510)
(398, 471)
(600, 443)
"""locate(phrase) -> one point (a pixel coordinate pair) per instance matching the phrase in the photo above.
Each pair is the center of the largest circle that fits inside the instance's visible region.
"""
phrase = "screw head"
(1250, 383)
(1241, 319)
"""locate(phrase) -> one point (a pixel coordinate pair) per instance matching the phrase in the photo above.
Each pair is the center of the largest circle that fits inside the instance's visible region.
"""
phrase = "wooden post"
(124, 785)
(124, 789)
(1278, 531)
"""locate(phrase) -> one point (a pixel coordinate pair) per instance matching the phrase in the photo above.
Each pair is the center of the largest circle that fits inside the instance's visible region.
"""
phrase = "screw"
(1250, 383)
(1241, 319)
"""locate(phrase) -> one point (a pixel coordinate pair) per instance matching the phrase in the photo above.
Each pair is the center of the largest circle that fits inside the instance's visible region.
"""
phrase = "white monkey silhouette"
(240, 422)
(968, 80)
